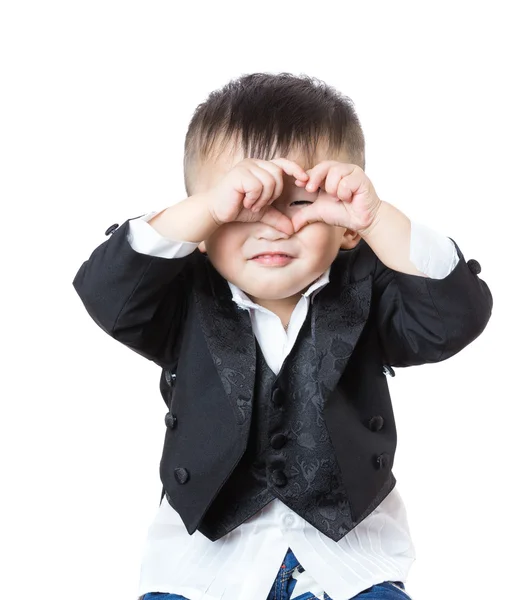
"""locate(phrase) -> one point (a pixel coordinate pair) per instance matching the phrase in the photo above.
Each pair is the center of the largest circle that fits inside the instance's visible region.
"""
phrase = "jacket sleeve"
(422, 320)
(138, 299)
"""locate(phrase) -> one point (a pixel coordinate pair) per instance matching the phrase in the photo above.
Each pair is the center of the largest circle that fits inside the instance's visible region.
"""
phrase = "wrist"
(207, 206)
(389, 236)
(205, 220)
(189, 220)
(378, 215)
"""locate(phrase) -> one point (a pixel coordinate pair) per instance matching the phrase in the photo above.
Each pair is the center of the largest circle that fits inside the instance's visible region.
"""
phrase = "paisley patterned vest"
(288, 437)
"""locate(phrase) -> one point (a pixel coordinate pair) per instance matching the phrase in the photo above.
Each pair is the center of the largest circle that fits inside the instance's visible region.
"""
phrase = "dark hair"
(266, 115)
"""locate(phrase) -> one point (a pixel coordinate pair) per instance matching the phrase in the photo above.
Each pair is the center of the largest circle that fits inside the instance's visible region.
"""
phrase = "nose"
(266, 232)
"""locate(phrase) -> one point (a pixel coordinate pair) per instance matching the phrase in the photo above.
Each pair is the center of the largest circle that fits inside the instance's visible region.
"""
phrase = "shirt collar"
(243, 301)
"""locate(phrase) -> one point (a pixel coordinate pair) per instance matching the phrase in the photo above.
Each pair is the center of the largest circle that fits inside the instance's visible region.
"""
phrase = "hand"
(347, 199)
(246, 192)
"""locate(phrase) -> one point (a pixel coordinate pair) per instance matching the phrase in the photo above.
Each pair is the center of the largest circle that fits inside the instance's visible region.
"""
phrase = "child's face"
(232, 246)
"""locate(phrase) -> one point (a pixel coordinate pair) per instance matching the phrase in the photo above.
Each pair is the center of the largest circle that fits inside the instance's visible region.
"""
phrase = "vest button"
(182, 475)
(278, 440)
(279, 478)
(376, 423)
(382, 461)
(170, 420)
(277, 397)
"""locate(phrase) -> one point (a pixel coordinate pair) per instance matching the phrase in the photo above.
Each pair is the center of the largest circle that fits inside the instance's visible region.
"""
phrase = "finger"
(279, 166)
(351, 183)
(251, 186)
(305, 216)
(278, 220)
(336, 179)
(317, 175)
(290, 167)
(333, 178)
(269, 185)
(344, 191)
(276, 173)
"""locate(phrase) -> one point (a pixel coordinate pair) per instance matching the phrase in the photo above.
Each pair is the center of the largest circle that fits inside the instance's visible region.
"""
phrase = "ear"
(350, 239)
(202, 247)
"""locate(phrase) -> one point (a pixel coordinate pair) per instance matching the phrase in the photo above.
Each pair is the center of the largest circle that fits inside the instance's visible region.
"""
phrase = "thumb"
(274, 218)
(305, 216)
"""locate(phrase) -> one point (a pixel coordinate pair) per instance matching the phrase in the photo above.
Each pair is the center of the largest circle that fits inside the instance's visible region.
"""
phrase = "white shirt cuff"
(432, 253)
(143, 238)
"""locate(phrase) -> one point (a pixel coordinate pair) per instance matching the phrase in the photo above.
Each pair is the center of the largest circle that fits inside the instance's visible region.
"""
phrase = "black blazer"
(369, 318)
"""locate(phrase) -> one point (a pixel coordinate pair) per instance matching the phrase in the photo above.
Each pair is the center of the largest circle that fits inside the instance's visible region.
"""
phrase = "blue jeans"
(284, 583)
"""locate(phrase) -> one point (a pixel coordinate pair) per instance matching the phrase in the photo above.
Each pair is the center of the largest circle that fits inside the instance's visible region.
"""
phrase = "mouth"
(275, 259)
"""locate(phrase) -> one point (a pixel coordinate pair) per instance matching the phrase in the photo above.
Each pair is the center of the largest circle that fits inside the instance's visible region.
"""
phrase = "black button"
(277, 397)
(170, 377)
(278, 440)
(382, 461)
(279, 478)
(182, 475)
(474, 266)
(111, 229)
(376, 423)
(389, 369)
(170, 420)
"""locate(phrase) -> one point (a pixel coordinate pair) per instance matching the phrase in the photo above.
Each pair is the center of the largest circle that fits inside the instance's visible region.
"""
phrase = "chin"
(272, 292)
(264, 293)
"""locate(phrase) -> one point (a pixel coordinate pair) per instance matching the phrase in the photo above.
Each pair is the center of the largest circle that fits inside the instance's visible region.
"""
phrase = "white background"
(96, 98)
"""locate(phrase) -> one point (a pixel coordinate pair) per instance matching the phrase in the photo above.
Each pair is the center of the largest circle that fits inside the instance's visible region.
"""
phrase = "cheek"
(224, 245)
(323, 241)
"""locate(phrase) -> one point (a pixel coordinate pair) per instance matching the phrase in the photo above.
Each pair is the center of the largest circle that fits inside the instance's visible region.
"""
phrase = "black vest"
(288, 437)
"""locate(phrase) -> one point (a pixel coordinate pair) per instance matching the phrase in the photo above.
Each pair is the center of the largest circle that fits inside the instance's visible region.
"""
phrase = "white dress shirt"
(243, 564)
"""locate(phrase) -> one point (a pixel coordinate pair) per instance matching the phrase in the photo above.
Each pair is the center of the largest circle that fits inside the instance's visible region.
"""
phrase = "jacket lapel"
(230, 340)
(340, 312)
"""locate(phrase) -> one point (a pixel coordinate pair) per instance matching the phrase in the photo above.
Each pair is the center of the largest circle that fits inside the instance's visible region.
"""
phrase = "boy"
(275, 298)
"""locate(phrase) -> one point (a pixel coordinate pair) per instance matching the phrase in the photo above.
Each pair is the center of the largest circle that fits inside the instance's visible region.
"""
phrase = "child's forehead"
(307, 160)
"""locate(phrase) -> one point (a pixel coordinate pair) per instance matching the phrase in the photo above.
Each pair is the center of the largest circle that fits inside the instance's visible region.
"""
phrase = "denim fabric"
(284, 583)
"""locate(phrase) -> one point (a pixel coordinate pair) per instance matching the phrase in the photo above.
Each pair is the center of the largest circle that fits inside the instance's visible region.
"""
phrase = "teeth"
(271, 255)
